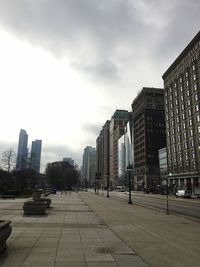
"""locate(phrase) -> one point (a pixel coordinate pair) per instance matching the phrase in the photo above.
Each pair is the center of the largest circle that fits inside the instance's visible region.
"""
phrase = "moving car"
(183, 193)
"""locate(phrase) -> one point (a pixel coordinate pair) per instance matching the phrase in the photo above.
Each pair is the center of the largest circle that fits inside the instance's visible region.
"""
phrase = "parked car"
(183, 193)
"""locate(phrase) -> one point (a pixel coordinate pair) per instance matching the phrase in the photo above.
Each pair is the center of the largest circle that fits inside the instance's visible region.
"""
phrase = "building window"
(184, 125)
(178, 129)
(176, 110)
(184, 135)
(195, 87)
(186, 74)
(191, 132)
(183, 116)
(179, 147)
(189, 112)
(194, 77)
(178, 138)
(193, 155)
(176, 102)
(193, 67)
(182, 97)
(181, 88)
(192, 143)
(182, 107)
(190, 122)
(188, 92)
(198, 128)
(186, 156)
(188, 102)
(187, 83)
(198, 118)
(175, 93)
(185, 145)
(194, 165)
(196, 97)
(197, 107)
(180, 80)
(177, 119)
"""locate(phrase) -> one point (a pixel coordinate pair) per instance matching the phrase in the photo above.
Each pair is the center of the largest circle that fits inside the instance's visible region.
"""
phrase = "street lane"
(185, 207)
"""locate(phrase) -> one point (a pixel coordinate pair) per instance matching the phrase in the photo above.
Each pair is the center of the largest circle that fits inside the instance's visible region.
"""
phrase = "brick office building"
(182, 106)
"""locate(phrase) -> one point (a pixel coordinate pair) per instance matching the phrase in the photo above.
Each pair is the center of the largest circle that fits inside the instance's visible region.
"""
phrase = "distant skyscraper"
(22, 152)
(36, 155)
(89, 159)
(69, 160)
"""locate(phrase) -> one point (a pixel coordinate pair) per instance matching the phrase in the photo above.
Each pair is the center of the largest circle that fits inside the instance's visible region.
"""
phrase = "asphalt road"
(186, 207)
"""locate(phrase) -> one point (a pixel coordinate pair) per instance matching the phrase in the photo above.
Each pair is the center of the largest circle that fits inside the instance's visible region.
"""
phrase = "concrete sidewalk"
(71, 235)
(157, 238)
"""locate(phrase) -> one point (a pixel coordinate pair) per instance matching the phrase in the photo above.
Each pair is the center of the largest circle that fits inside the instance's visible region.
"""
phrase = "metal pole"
(98, 184)
(108, 182)
(167, 198)
(129, 184)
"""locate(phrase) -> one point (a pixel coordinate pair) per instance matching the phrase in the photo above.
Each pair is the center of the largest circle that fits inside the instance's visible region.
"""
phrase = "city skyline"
(90, 57)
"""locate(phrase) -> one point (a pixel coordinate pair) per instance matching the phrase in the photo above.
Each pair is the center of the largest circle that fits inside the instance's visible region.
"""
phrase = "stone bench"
(34, 208)
(8, 196)
(5, 231)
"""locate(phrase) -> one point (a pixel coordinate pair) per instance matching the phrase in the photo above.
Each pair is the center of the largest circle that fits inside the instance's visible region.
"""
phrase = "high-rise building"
(182, 107)
(22, 152)
(69, 160)
(36, 155)
(117, 127)
(125, 153)
(88, 166)
(103, 153)
(149, 136)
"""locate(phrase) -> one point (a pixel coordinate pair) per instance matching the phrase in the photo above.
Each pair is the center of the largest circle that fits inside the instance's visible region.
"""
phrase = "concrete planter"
(47, 201)
(34, 208)
(5, 231)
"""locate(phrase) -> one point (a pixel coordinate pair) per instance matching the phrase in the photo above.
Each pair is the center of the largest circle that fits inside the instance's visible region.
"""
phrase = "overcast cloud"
(115, 46)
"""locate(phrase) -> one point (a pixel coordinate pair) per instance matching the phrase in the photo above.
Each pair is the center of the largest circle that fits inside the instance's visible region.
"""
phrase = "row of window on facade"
(180, 168)
(186, 145)
(183, 118)
(190, 131)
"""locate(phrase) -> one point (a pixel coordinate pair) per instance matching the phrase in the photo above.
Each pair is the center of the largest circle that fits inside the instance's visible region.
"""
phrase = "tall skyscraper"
(22, 152)
(117, 128)
(182, 107)
(36, 155)
(103, 153)
(89, 159)
(149, 136)
(69, 160)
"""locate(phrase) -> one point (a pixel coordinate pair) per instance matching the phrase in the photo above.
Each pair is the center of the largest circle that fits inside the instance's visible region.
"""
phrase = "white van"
(120, 188)
(183, 193)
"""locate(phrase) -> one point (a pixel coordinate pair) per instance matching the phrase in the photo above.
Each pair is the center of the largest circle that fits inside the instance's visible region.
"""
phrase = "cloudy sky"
(67, 65)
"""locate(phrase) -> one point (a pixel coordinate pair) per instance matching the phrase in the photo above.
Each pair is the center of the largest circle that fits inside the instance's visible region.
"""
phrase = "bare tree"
(8, 159)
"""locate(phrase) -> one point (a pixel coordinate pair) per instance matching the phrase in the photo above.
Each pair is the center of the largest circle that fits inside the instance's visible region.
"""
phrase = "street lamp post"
(129, 169)
(98, 175)
(170, 174)
(108, 184)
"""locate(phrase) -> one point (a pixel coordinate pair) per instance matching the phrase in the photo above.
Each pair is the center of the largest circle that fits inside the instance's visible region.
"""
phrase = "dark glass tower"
(22, 152)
